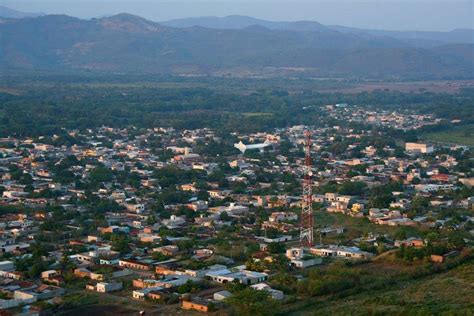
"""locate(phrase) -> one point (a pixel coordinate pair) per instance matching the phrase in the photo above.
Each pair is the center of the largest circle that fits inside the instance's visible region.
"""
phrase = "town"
(167, 220)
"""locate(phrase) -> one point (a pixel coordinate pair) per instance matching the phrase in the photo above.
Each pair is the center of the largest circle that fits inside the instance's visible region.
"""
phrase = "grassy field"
(256, 114)
(354, 227)
(449, 293)
(462, 136)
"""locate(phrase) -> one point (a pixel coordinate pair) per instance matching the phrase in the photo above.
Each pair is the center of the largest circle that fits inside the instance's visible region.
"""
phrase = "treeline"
(46, 110)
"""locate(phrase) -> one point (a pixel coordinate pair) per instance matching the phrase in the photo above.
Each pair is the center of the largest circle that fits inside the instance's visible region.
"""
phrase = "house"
(200, 254)
(45, 275)
(341, 252)
(299, 258)
(331, 231)
(330, 197)
(218, 194)
(232, 210)
(114, 229)
(245, 277)
(7, 265)
(166, 268)
(155, 295)
(149, 238)
(189, 187)
(14, 275)
(197, 304)
(134, 264)
(17, 300)
(174, 222)
(283, 238)
(144, 283)
(221, 295)
(410, 242)
(275, 294)
(149, 292)
(198, 205)
(338, 207)
(14, 247)
(419, 148)
(135, 208)
(277, 217)
(187, 158)
(168, 250)
(41, 292)
(442, 258)
(103, 287)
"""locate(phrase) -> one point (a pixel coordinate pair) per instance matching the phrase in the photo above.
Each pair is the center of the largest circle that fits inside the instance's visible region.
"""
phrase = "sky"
(426, 15)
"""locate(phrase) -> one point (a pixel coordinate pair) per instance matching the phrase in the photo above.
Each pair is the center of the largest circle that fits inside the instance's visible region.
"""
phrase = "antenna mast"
(306, 232)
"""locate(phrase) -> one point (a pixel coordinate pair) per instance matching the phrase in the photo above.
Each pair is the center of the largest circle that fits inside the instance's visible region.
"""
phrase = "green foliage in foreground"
(435, 295)
(388, 287)
(250, 302)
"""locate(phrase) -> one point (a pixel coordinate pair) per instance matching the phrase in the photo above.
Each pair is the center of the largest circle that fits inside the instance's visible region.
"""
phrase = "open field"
(256, 114)
(96, 310)
(240, 85)
(92, 303)
(355, 227)
(408, 86)
(9, 90)
(461, 136)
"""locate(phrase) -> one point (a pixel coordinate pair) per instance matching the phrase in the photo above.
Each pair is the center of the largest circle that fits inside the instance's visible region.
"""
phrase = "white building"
(275, 294)
(419, 148)
(242, 147)
(299, 258)
(103, 287)
(245, 277)
(341, 252)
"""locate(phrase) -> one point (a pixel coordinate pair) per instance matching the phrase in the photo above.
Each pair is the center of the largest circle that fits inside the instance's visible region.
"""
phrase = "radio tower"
(306, 233)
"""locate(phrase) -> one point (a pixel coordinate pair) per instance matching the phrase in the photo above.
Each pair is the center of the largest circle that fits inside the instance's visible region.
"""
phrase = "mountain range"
(14, 14)
(423, 38)
(126, 43)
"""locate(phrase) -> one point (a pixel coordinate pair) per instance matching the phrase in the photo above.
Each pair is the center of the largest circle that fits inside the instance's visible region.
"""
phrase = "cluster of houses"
(178, 241)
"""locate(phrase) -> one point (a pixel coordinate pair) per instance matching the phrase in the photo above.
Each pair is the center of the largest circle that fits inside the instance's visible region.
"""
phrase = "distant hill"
(417, 38)
(126, 43)
(14, 14)
(423, 38)
(240, 22)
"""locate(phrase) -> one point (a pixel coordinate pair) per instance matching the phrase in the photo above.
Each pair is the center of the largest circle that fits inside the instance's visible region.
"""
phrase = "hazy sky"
(377, 14)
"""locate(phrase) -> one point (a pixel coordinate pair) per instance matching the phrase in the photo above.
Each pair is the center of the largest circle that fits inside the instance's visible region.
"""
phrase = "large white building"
(242, 147)
(341, 252)
(419, 148)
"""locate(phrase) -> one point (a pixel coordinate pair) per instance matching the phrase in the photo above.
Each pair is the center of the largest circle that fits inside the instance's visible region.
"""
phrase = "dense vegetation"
(40, 110)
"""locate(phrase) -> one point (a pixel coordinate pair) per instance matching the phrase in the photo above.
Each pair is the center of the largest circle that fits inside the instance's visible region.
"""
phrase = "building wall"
(194, 306)
(132, 265)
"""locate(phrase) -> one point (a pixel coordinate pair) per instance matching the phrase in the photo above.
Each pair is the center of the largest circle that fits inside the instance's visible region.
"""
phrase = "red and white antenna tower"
(306, 232)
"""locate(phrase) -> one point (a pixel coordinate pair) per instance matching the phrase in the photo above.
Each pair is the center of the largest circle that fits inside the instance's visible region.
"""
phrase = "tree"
(284, 281)
(276, 247)
(352, 188)
(101, 174)
(456, 240)
(250, 302)
(420, 203)
(224, 216)
(26, 179)
(120, 243)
